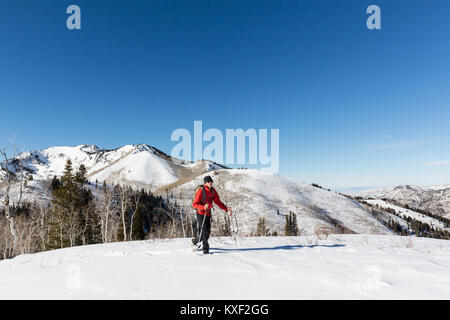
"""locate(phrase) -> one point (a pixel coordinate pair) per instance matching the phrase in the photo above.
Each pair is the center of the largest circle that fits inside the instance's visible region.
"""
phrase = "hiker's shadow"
(286, 247)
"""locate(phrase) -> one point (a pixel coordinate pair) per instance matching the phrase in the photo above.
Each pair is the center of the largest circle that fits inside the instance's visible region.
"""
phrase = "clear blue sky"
(355, 107)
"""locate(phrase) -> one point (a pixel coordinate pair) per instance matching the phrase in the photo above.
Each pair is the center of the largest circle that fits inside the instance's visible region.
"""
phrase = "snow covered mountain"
(339, 267)
(135, 165)
(139, 166)
(254, 194)
(402, 212)
(435, 199)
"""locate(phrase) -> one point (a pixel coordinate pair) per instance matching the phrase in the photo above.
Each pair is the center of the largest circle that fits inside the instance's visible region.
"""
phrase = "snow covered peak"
(140, 165)
(89, 148)
(435, 199)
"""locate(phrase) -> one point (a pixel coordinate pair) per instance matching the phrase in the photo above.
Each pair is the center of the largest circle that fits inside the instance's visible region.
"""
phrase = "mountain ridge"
(435, 199)
(253, 193)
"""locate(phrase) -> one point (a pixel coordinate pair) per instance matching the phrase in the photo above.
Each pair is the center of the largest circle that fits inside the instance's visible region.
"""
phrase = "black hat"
(207, 179)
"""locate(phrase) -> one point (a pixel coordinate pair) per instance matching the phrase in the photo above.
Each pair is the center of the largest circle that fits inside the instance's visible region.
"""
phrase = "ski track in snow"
(339, 267)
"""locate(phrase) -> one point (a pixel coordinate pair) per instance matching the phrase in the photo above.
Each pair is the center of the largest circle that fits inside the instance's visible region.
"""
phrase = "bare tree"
(42, 213)
(6, 241)
(182, 222)
(12, 208)
(124, 204)
(73, 226)
(136, 199)
(28, 226)
(107, 210)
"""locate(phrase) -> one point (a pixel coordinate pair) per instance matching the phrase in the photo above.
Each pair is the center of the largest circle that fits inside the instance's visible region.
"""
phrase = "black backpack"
(203, 194)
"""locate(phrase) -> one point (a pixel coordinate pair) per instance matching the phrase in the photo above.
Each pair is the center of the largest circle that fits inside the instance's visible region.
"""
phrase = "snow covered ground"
(338, 267)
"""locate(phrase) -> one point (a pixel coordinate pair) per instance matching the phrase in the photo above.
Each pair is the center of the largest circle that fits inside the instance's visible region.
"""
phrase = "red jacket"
(210, 197)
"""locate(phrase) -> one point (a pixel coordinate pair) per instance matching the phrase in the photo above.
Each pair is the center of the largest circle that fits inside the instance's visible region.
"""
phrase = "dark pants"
(205, 233)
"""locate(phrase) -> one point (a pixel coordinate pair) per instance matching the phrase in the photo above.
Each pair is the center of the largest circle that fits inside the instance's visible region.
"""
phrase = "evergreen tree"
(287, 226)
(138, 224)
(73, 221)
(80, 176)
(91, 225)
(294, 226)
(68, 173)
(291, 227)
(261, 229)
(55, 184)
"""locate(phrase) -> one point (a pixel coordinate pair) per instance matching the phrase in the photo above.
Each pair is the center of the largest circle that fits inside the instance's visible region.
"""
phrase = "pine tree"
(55, 184)
(73, 221)
(261, 229)
(68, 173)
(138, 225)
(80, 176)
(291, 227)
(91, 226)
(294, 226)
(287, 226)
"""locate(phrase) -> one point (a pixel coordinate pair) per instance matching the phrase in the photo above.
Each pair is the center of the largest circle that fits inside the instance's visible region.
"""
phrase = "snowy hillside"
(410, 213)
(139, 166)
(435, 199)
(339, 267)
(253, 194)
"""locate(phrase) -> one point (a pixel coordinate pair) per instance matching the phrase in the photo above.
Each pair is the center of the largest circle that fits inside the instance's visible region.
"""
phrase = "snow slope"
(409, 213)
(138, 166)
(339, 267)
(435, 199)
(254, 194)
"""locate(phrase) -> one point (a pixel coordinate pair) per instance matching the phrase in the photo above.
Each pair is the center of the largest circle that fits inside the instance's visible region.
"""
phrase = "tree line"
(75, 216)
(440, 218)
(414, 226)
(82, 213)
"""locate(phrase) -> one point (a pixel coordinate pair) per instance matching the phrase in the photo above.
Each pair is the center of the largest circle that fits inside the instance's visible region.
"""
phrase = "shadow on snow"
(287, 247)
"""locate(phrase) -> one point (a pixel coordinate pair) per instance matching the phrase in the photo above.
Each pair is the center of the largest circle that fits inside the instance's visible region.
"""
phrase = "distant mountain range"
(435, 199)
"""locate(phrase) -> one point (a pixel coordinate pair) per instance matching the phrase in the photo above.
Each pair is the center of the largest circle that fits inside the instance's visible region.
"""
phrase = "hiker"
(203, 203)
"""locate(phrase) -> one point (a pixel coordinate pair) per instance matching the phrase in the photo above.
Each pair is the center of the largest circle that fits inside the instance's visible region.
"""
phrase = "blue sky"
(355, 107)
